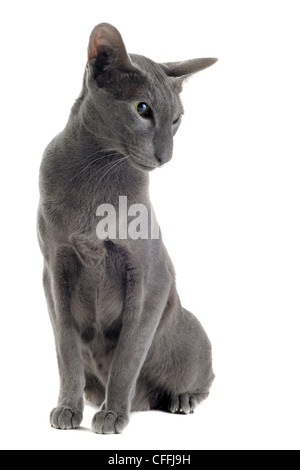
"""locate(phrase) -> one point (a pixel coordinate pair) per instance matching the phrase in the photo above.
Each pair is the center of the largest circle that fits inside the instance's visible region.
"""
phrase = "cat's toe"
(109, 422)
(182, 404)
(65, 418)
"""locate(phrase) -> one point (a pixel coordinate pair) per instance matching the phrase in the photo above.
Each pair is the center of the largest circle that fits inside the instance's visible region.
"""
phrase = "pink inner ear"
(97, 42)
(106, 38)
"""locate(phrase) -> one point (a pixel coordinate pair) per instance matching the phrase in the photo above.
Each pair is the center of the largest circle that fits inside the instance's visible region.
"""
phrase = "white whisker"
(112, 166)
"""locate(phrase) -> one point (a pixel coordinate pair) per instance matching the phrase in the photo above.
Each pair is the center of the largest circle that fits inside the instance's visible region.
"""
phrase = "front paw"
(109, 422)
(65, 418)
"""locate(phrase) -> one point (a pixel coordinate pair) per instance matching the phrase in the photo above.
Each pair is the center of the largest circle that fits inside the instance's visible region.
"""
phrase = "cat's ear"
(106, 51)
(180, 71)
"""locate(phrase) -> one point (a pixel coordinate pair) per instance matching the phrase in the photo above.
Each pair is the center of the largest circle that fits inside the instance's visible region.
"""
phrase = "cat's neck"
(92, 163)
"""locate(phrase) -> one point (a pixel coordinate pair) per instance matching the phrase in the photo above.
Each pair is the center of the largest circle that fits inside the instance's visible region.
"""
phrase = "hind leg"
(179, 366)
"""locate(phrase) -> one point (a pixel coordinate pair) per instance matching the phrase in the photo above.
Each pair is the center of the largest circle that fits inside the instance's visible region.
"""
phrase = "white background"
(228, 205)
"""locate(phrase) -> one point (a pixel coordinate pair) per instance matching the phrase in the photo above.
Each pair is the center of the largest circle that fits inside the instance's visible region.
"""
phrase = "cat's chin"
(142, 167)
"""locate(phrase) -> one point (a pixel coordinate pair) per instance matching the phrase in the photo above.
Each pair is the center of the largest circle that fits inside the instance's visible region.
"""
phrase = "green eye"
(142, 108)
(176, 118)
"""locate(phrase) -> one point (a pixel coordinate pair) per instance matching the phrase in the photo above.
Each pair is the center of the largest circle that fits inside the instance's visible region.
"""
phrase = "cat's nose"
(164, 149)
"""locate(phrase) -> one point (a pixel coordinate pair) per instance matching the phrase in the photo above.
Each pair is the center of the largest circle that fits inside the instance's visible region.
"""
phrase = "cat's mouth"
(142, 166)
(146, 167)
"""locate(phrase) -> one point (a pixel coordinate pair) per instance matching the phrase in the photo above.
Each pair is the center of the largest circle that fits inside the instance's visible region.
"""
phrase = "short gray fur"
(122, 336)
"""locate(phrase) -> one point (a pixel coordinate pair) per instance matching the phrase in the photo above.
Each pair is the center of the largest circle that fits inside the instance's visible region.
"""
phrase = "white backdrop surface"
(228, 205)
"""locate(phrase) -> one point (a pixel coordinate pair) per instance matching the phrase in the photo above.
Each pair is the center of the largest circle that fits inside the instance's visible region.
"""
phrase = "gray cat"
(122, 336)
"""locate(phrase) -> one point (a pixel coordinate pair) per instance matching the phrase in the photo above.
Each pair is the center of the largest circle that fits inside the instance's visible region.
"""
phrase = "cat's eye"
(143, 109)
(176, 118)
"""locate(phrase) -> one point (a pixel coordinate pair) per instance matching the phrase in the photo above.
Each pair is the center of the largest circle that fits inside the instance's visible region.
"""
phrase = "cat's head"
(132, 104)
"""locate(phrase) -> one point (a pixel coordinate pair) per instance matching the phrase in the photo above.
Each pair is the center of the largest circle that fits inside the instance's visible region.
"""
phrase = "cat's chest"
(97, 296)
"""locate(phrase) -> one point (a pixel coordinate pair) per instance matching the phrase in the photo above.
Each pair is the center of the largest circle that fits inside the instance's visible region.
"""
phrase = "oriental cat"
(122, 337)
